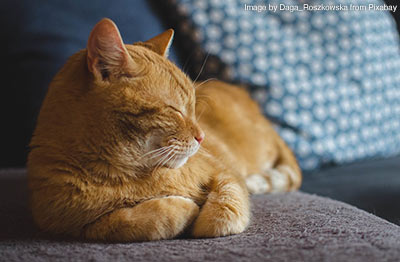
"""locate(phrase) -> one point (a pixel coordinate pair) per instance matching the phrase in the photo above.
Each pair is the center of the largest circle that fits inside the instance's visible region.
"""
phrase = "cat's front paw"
(221, 219)
(154, 219)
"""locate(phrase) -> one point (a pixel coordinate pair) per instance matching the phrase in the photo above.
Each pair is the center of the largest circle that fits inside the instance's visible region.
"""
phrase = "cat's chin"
(177, 163)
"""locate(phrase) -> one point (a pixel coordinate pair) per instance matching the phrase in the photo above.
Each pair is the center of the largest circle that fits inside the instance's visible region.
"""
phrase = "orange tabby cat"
(115, 154)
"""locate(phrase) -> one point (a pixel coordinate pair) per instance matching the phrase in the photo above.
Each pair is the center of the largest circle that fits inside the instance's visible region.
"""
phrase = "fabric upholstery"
(285, 227)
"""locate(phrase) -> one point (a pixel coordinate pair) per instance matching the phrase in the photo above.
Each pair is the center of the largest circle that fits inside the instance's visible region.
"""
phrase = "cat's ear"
(106, 52)
(161, 43)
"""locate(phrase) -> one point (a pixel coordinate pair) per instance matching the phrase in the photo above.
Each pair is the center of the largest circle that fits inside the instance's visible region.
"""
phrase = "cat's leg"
(280, 173)
(258, 184)
(226, 210)
(284, 174)
(155, 219)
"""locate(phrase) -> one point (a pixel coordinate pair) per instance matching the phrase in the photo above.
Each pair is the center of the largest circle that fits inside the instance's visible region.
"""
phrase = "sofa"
(294, 226)
(343, 211)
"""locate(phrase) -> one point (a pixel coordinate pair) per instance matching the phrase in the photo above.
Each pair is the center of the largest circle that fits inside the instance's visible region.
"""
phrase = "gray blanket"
(285, 227)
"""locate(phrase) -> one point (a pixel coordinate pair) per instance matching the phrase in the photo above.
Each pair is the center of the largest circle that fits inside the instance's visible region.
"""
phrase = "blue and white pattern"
(330, 79)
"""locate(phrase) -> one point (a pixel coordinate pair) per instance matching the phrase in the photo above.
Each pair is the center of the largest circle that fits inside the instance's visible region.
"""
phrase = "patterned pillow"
(329, 79)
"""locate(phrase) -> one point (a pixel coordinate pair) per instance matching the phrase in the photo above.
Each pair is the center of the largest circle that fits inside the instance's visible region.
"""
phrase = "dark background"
(38, 37)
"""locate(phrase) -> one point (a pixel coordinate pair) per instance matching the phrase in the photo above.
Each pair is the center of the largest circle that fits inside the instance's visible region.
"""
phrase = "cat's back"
(226, 106)
(53, 172)
(61, 114)
(236, 131)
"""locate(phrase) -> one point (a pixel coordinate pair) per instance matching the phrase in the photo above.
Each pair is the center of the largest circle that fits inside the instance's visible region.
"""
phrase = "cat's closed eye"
(180, 114)
(144, 112)
(177, 112)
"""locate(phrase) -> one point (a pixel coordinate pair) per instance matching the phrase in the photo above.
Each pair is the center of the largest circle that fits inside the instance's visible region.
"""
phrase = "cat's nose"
(200, 137)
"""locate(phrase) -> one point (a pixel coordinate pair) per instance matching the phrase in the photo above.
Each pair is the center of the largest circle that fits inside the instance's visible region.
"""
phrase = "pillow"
(330, 80)
(37, 39)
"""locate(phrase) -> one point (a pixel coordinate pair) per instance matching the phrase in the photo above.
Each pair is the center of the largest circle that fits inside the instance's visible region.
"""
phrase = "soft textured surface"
(285, 227)
(330, 79)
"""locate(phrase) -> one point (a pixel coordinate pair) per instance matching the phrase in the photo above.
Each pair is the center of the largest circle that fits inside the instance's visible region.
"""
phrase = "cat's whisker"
(205, 106)
(174, 160)
(203, 95)
(203, 151)
(161, 161)
(202, 67)
(203, 99)
(155, 154)
(159, 154)
(200, 115)
(166, 161)
(156, 151)
(161, 148)
(184, 67)
(165, 154)
(205, 81)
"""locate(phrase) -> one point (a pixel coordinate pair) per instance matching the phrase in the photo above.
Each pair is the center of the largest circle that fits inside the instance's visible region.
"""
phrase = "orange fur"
(96, 169)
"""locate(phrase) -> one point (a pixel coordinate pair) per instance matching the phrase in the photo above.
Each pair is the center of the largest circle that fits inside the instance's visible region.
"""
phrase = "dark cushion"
(370, 185)
(285, 227)
(37, 39)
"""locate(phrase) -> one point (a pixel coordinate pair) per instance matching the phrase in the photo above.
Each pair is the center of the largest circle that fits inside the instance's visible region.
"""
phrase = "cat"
(128, 148)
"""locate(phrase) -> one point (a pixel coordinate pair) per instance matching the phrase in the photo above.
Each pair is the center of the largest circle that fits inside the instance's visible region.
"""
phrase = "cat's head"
(148, 103)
